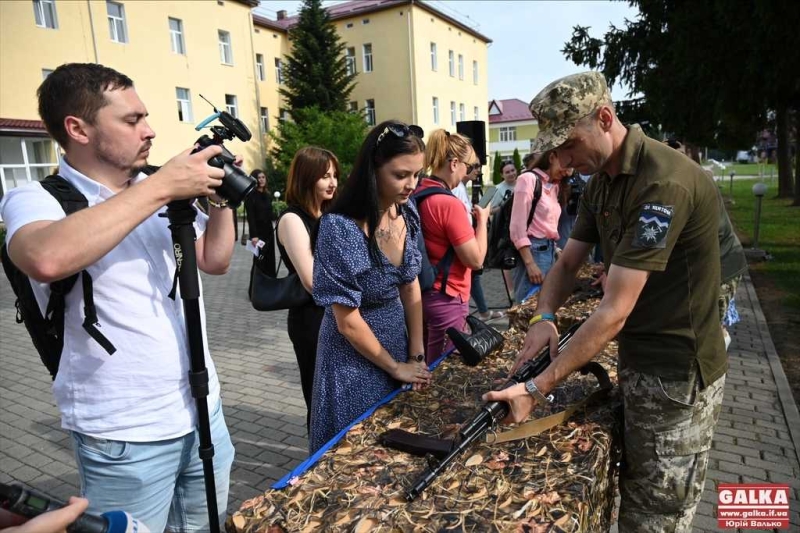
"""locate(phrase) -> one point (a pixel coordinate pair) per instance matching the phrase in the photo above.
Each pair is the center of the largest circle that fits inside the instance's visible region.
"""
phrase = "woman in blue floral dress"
(365, 275)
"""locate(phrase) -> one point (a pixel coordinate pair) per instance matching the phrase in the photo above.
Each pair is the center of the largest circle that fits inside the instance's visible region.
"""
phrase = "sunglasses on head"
(400, 131)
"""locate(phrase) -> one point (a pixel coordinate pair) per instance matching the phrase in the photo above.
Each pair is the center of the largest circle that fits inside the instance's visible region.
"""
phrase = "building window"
(265, 119)
(371, 113)
(116, 22)
(368, 57)
(452, 113)
(46, 72)
(350, 60)
(462, 113)
(451, 60)
(475, 72)
(353, 107)
(260, 67)
(184, 104)
(278, 71)
(435, 110)
(225, 49)
(477, 114)
(365, 21)
(508, 134)
(283, 115)
(460, 67)
(434, 60)
(230, 105)
(44, 11)
(176, 36)
(25, 159)
(349, 25)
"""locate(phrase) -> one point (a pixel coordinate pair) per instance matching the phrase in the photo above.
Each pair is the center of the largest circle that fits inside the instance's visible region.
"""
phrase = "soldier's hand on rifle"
(517, 398)
(538, 336)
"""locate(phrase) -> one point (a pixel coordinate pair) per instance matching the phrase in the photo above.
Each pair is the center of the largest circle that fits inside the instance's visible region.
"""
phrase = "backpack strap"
(446, 261)
(537, 194)
(72, 200)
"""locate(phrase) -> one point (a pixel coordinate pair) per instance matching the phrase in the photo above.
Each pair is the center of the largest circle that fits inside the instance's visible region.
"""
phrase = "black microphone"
(25, 503)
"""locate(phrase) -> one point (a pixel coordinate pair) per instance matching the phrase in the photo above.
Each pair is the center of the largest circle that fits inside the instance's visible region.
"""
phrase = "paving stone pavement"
(757, 439)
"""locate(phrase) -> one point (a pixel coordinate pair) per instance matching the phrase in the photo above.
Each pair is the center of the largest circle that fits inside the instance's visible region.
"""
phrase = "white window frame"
(350, 60)
(462, 112)
(184, 104)
(476, 110)
(117, 27)
(26, 164)
(176, 37)
(232, 108)
(40, 12)
(475, 73)
(260, 70)
(435, 110)
(353, 107)
(283, 115)
(225, 47)
(265, 119)
(451, 59)
(367, 62)
(508, 134)
(460, 67)
(434, 58)
(278, 71)
(452, 113)
(370, 112)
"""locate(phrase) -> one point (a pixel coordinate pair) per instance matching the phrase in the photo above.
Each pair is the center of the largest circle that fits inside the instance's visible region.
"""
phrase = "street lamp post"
(733, 173)
(759, 190)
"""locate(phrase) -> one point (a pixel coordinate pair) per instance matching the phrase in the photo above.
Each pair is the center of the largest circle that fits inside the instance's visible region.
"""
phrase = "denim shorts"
(544, 254)
(159, 483)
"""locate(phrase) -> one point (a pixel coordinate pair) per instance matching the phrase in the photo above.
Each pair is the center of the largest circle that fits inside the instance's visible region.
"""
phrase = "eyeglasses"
(400, 131)
(471, 167)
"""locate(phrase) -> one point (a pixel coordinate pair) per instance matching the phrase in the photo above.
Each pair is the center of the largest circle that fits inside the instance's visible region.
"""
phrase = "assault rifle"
(491, 413)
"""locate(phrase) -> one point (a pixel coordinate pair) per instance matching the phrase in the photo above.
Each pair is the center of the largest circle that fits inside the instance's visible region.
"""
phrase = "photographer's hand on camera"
(189, 175)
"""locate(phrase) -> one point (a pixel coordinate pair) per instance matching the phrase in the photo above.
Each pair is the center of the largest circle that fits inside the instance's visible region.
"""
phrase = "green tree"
(714, 84)
(315, 74)
(338, 131)
(517, 159)
(497, 169)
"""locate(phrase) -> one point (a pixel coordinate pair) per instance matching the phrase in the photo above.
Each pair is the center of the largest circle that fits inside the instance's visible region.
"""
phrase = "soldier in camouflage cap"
(654, 213)
(562, 104)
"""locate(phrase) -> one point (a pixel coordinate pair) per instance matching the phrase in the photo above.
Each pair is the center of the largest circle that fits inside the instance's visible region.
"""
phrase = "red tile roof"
(363, 7)
(16, 124)
(513, 110)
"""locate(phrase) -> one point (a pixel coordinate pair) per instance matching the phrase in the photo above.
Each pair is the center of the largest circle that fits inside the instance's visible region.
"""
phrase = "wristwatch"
(534, 391)
(418, 358)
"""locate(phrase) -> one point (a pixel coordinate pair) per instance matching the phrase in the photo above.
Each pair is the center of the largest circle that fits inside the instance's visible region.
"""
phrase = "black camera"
(236, 184)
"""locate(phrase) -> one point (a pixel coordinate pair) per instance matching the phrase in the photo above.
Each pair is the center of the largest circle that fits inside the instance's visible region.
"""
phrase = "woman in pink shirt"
(536, 241)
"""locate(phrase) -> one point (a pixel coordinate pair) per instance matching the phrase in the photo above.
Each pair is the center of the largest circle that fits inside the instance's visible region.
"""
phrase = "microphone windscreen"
(122, 522)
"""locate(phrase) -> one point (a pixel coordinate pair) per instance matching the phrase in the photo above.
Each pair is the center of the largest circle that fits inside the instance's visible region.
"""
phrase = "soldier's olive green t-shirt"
(660, 214)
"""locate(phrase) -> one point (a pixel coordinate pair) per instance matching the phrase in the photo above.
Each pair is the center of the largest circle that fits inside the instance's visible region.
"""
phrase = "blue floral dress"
(346, 383)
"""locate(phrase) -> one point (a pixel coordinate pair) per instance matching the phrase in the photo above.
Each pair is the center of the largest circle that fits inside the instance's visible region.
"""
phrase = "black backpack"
(429, 272)
(501, 252)
(47, 332)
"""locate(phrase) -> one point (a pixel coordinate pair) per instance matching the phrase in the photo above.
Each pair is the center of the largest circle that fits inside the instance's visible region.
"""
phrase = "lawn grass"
(779, 235)
(748, 169)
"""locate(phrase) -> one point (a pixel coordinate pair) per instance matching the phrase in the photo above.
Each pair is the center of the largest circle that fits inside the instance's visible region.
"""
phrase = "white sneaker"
(727, 337)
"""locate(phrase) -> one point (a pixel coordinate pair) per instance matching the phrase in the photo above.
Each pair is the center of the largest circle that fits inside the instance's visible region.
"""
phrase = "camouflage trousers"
(667, 436)
(726, 293)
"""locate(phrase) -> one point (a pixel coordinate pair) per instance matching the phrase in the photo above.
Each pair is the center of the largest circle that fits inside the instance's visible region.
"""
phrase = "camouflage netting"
(560, 480)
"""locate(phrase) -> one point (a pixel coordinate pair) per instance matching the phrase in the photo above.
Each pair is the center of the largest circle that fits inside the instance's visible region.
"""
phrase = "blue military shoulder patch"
(652, 226)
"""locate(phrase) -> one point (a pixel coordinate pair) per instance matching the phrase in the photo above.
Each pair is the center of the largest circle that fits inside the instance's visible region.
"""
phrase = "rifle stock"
(489, 415)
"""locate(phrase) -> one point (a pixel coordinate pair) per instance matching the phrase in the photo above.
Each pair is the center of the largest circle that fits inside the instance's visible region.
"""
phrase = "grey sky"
(528, 37)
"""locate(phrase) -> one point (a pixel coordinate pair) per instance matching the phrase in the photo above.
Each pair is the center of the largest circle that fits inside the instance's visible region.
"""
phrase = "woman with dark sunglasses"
(450, 158)
(365, 275)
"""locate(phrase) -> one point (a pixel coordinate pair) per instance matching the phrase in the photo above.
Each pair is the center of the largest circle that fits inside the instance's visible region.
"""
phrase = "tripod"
(181, 217)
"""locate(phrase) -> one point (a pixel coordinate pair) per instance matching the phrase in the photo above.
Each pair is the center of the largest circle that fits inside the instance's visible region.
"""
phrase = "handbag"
(273, 294)
(268, 293)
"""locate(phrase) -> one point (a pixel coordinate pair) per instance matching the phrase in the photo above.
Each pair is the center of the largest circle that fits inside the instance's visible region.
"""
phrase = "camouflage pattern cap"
(560, 105)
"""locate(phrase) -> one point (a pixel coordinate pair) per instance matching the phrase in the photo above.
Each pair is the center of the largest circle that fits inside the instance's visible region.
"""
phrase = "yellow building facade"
(177, 50)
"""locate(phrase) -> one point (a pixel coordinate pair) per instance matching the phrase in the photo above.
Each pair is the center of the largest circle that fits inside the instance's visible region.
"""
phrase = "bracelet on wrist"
(219, 205)
(542, 317)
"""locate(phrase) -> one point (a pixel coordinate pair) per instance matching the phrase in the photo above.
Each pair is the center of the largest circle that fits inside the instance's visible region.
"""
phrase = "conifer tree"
(315, 73)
